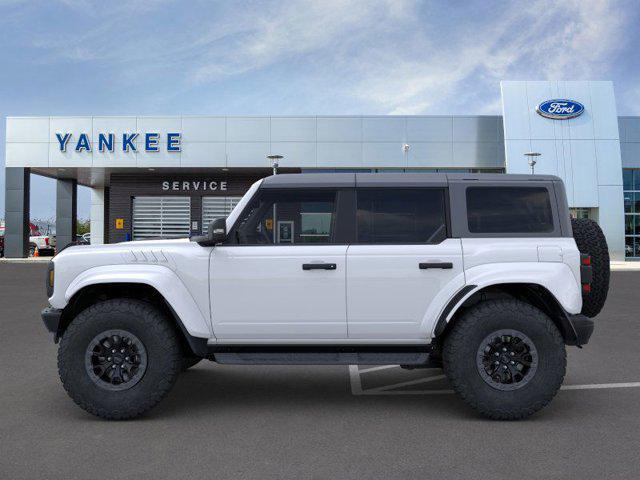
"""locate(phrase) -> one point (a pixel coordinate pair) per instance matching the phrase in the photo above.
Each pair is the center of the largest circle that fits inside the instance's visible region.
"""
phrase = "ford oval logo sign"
(560, 109)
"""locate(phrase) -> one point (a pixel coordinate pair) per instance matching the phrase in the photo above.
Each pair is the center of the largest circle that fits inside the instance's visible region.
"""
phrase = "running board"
(320, 355)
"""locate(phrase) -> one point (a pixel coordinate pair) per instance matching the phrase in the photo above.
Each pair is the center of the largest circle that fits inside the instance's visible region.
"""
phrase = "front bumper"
(51, 318)
(582, 329)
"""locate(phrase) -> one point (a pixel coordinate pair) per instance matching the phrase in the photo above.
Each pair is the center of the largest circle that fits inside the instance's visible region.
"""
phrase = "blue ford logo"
(560, 109)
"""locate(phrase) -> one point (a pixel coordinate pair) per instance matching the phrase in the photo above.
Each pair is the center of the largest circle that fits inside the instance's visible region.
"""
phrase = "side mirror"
(218, 230)
(217, 233)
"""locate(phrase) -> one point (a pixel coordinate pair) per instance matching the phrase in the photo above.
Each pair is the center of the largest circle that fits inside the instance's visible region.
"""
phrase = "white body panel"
(178, 269)
(262, 292)
(553, 263)
(388, 294)
(377, 294)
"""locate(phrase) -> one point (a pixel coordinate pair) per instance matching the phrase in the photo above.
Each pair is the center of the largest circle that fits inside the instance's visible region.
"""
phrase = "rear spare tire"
(591, 241)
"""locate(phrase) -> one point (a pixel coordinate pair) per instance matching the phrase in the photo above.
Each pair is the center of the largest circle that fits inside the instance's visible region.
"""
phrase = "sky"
(147, 57)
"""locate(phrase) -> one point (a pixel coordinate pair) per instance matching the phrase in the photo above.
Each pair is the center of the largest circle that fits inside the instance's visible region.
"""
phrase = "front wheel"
(119, 358)
(505, 358)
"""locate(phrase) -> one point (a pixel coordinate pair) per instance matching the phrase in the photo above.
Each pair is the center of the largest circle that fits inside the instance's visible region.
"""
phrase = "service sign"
(560, 109)
(149, 141)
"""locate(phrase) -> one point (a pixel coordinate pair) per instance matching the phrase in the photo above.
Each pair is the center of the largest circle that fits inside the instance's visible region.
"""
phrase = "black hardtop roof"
(346, 180)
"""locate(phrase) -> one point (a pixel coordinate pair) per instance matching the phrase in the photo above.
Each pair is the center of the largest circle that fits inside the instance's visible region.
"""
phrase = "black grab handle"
(443, 265)
(319, 266)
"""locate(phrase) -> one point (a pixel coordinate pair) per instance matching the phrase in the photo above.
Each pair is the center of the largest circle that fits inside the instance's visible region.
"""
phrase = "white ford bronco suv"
(482, 274)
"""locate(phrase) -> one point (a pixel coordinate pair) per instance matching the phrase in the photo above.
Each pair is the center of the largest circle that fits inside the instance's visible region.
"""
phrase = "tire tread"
(590, 240)
(463, 330)
(153, 321)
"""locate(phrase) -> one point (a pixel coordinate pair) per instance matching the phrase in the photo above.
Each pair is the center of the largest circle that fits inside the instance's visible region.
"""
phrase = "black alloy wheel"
(116, 360)
(507, 359)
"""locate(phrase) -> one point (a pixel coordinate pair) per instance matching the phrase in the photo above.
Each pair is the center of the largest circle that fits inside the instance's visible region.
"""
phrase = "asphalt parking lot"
(317, 422)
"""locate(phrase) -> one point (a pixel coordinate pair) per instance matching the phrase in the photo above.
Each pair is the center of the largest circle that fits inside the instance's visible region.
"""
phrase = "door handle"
(442, 265)
(319, 266)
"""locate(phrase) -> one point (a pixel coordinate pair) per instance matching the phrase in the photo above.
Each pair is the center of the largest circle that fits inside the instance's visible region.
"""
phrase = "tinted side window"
(388, 215)
(289, 217)
(509, 210)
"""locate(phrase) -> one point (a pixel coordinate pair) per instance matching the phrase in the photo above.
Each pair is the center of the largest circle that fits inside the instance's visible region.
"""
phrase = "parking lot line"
(356, 384)
(406, 384)
(375, 369)
(600, 385)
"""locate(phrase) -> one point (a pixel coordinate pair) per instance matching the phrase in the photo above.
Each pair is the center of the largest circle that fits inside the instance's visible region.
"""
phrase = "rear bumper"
(51, 318)
(582, 328)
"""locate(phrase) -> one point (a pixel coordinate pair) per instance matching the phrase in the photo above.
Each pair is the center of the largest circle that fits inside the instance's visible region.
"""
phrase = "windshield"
(235, 213)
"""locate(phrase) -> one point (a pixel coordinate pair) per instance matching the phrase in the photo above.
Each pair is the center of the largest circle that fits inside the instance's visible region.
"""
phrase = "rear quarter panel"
(553, 263)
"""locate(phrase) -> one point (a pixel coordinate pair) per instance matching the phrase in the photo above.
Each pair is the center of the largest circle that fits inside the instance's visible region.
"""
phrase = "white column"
(97, 216)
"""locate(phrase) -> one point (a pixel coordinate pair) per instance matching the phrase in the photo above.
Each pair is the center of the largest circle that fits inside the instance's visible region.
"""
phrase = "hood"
(122, 246)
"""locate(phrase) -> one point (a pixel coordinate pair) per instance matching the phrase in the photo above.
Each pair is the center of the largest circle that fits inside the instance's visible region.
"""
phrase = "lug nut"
(108, 359)
(512, 362)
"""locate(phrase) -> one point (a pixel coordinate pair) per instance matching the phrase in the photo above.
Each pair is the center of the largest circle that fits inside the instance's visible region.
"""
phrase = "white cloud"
(540, 40)
(292, 30)
(391, 56)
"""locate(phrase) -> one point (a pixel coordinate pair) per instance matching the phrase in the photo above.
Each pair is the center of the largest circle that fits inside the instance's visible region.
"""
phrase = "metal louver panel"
(161, 217)
(213, 207)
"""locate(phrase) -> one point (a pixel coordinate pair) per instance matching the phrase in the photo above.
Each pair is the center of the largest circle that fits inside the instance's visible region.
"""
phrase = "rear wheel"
(505, 358)
(119, 358)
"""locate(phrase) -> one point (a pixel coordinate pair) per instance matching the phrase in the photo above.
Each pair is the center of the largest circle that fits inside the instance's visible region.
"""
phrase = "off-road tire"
(465, 338)
(590, 240)
(189, 361)
(160, 340)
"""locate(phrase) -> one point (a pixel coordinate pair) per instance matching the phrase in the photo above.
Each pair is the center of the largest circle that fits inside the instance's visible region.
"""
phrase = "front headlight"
(50, 279)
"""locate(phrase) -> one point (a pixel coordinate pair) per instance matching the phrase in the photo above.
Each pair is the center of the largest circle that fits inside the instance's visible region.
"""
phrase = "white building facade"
(168, 176)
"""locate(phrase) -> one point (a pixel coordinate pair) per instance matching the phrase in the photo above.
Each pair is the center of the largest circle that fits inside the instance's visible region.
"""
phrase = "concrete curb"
(631, 266)
(25, 260)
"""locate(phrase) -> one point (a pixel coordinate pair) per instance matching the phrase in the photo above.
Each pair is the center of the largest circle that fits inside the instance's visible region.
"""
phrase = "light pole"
(532, 159)
(274, 159)
(405, 152)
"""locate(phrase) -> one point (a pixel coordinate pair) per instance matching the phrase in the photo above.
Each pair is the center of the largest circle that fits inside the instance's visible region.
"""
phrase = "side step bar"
(320, 355)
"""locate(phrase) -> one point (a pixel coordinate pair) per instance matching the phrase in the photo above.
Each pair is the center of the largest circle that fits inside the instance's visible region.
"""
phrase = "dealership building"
(168, 176)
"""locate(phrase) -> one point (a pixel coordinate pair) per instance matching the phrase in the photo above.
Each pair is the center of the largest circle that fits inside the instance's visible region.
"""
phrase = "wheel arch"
(533, 293)
(98, 292)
